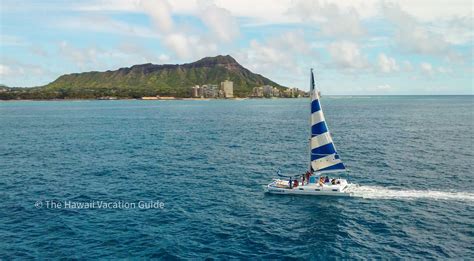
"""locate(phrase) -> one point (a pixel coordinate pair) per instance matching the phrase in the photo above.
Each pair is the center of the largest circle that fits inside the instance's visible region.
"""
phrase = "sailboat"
(324, 159)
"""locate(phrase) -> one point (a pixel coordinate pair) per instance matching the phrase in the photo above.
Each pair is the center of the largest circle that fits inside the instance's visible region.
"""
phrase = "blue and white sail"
(324, 157)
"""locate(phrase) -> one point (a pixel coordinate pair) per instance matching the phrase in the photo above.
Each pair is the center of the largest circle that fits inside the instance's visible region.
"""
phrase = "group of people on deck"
(325, 180)
(293, 183)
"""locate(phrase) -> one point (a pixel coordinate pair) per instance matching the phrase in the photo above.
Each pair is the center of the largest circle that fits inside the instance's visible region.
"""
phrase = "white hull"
(312, 189)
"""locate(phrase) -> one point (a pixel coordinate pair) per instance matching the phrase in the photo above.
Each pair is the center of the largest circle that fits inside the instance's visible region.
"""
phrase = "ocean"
(183, 179)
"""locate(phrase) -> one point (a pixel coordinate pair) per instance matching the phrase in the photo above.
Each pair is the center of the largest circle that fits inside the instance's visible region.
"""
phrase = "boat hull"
(339, 190)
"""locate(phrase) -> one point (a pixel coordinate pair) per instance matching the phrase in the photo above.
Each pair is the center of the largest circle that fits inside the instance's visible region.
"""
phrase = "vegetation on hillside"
(146, 80)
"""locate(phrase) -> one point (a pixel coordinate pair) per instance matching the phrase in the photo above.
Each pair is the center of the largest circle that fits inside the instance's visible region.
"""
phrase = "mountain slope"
(151, 79)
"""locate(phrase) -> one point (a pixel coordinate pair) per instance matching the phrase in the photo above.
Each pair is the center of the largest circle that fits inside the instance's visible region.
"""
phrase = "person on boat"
(321, 181)
(290, 183)
(333, 181)
(326, 180)
(295, 183)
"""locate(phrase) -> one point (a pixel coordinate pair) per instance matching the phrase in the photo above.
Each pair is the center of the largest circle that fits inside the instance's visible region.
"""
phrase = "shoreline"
(239, 99)
(131, 99)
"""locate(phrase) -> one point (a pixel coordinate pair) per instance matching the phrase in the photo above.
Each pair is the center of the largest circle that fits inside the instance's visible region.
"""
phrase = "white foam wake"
(377, 192)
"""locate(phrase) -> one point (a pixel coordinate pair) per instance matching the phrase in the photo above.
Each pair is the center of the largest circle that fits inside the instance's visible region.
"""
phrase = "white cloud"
(266, 11)
(383, 87)
(293, 42)
(160, 13)
(106, 6)
(184, 41)
(427, 68)
(387, 64)
(96, 58)
(412, 36)
(281, 58)
(333, 19)
(456, 30)
(443, 70)
(82, 57)
(16, 73)
(189, 46)
(179, 43)
(163, 58)
(220, 22)
(264, 56)
(347, 55)
(5, 70)
(262, 13)
(104, 24)
(269, 11)
(279, 51)
(434, 10)
(129, 53)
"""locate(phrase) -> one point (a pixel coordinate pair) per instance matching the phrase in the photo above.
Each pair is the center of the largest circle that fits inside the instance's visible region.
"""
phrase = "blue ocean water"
(207, 162)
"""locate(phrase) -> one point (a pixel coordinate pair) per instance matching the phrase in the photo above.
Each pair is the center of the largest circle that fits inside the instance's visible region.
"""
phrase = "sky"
(357, 47)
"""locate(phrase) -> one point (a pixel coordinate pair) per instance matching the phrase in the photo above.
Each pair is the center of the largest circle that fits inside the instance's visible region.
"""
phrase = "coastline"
(240, 99)
(132, 99)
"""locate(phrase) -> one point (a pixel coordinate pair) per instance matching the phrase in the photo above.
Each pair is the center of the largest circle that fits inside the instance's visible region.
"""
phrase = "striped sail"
(324, 157)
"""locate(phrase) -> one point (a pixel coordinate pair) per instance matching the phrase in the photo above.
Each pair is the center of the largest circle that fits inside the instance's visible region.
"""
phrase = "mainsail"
(324, 157)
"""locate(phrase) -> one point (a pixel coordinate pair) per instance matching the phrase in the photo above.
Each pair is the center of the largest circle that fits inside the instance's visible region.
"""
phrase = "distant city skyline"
(356, 47)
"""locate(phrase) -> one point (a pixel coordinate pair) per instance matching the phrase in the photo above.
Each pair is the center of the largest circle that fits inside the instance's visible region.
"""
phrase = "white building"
(211, 91)
(267, 91)
(228, 89)
(196, 91)
(276, 92)
(257, 92)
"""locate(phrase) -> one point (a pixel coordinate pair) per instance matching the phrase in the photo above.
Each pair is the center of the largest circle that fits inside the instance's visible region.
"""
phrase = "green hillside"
(151, 80)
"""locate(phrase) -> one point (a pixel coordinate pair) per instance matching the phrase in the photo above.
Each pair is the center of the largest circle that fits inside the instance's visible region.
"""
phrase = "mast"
(311, 90)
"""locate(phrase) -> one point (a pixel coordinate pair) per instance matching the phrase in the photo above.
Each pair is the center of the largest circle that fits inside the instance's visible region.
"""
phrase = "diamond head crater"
(210, 77)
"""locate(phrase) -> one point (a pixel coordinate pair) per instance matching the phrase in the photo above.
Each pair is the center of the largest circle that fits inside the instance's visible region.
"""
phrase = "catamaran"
(324, 159)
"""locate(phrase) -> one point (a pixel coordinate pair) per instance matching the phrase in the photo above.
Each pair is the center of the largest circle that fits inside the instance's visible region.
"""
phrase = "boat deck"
(326, 189)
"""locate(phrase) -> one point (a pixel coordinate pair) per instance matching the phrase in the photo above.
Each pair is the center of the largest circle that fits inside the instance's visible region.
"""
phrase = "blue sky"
(356, 47)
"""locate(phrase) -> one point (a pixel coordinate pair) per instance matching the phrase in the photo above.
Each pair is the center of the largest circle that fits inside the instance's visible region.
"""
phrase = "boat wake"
(377, 192)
